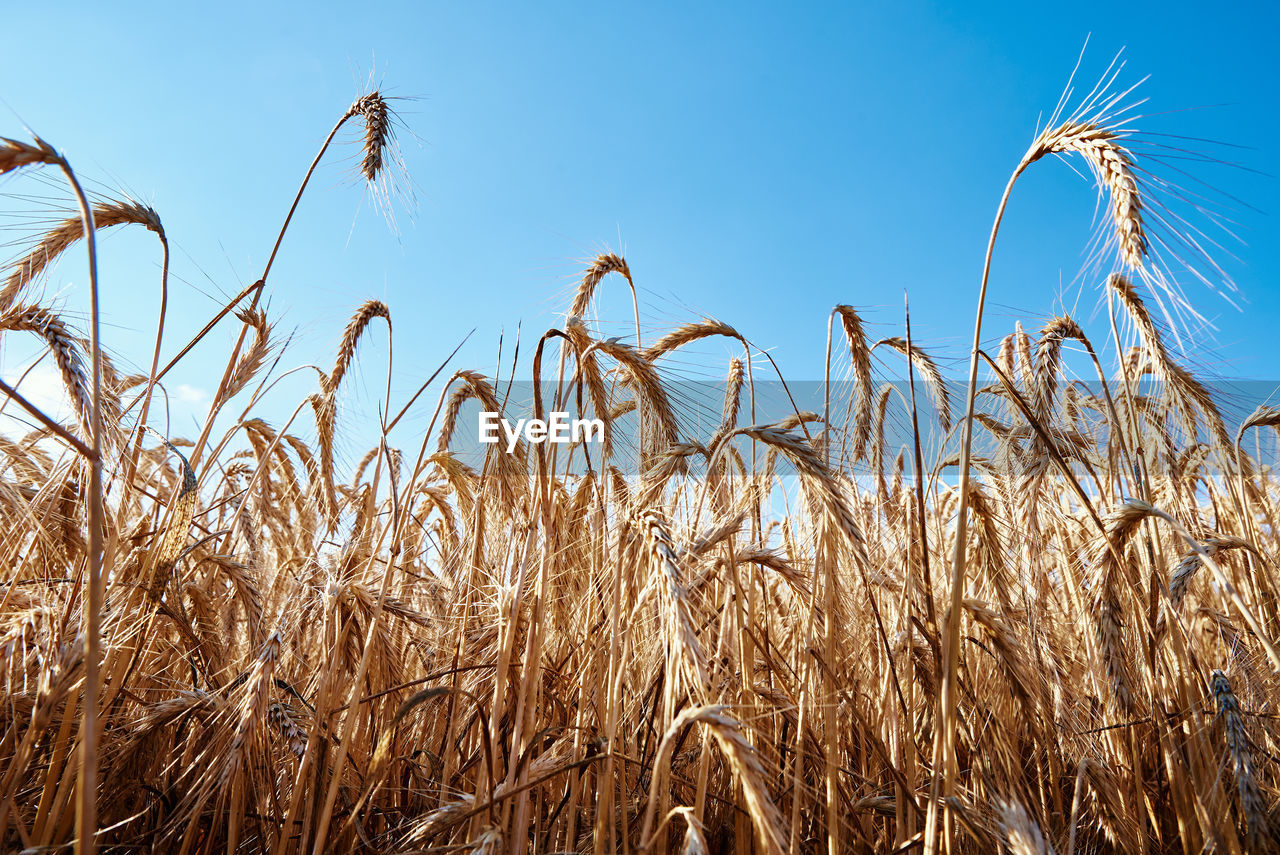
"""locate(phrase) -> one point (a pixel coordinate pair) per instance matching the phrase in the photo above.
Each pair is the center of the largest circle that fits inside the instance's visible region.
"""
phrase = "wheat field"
(1043, 619)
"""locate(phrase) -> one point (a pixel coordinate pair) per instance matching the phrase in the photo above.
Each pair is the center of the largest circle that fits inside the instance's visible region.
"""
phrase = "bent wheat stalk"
(375, 111)
(1097, 142)
(86, 802)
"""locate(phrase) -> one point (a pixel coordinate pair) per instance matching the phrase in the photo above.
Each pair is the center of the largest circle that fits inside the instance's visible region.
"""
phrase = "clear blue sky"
(755, 162)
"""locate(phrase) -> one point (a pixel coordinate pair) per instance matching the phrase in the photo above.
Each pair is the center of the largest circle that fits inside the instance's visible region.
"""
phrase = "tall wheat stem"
(257, 289)
(87, 803)
(944, 745)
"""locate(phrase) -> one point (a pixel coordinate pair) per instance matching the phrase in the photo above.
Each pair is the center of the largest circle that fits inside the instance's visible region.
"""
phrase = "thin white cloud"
(188, 394)
(41, 386)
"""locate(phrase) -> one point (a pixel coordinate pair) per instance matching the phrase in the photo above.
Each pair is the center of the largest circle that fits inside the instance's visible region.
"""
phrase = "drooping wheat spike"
(1021, 831)
(1040, 377)
(1108, 607)
(743, 760)
(638, 373)
(715, 534)
(685, 652)
(1187, 394)
(64, 234)
(507, 468)
(252, 360)
(602, 266)
(474, 385)
(283, 718)
(1190, 564)
(860, 357)
(66, 349)
(1100, 784)
(988, 544)
(358, 478)
(251, 701)
(1048, 362)
(695, 841)
(1253, 808)
(15, 154)
(936, 386)
(369, 310)
(377, 132)
(55, 680)
(463, 481)
(819, 483)
(1264, 416)
(1011, 656)
(588, 369)
(687, 334)
(1113, 167)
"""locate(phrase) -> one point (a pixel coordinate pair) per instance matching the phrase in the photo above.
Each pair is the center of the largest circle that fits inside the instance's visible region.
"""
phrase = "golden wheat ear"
(601, 267)
(15, 154)
(62, 236)
(1252, 805)
(377, 132)
(66, 349)
(1113, 167)
(381, 164)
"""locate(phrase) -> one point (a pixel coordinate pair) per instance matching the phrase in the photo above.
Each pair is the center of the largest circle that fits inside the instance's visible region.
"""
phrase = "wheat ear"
(252, 360)
(1022, 832)
(1252, 806)
(742, 758)
(66, 352)
(369, 310)
(64, 234)
(936, 386)
(602, 266)
(860, 357)
(377, 132)
(1113, 167)
(687, 334)
(1109, 611)
(15, 154)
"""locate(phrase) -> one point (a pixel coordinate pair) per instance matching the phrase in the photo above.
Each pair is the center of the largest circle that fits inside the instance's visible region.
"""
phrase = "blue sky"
(758, 163)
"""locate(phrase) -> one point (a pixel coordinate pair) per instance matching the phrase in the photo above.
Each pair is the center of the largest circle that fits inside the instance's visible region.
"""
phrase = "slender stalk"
(919, 474)
(131, 462)
(153, 376)
(375, 621)
(87, 801)
(944, 745)
(256, 289)
(826, 392)
(40, 416)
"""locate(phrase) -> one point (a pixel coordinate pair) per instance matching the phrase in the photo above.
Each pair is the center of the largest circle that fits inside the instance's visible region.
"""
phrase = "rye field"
(1032, 608)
